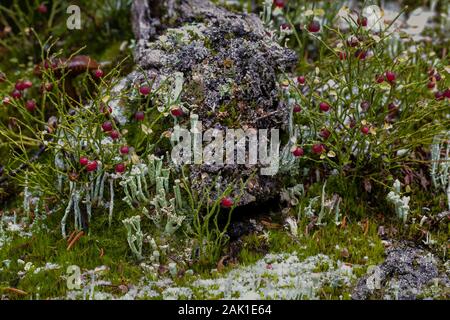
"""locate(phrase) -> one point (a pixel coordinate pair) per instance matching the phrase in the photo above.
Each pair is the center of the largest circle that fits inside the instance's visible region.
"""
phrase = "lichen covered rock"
(407, 273)
(221, 66)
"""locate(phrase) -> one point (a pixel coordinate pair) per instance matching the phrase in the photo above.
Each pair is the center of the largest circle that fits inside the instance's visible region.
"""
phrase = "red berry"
(30, 105)
(98, 73)
(278, 3)
(6, 101)
(301, 79)
(124, 150)
(362, 21)
(107, 126)
(379, 78)
(365, 105)
(297, 109)
(144, 90)
(84, 161)
(314, 26)
(439, 95)
(139, 116)
(318, 148)
(325, 107)
(16, 94)
(176, 112)
(431, 85)
(298, 152)
(114, 134)
(365, 129)
(91, 166)
(27, 84)
(285, 26)
(19, 86)
(390, 76)
(120, 168)
(342, 55)
(226, 202)
(447, 93)
(325, 133)
(42, 8)
(438, 77)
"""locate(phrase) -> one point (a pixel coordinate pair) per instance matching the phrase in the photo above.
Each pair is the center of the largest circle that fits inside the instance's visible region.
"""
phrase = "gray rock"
(407, 273)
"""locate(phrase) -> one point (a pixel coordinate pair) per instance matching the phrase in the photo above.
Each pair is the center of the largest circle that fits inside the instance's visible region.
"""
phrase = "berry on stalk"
(325, 133)
(298, 152)
(439, 95)
(301, 80)
(318, 148)
(226, 202)
(84, 161)
(362, 21)
(30, 105)
(447, 93)
(390, 76)
(91, 166)
(278, 3)
(325, 107)
(6, 101)
(16, 94)
(114, 134)
(144, 90)
(42, 8)
(314, 26)
(139, 116)
(107, 126)
(120, 168)
(176, 111)
(98, 73)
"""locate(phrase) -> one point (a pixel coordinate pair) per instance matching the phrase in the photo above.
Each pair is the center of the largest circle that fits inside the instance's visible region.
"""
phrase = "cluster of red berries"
(317, 148)
(388, 76)
(17, 93)
(88, 164)
(362, 21)
(434, 78)
(107, 127)
(93, 165)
